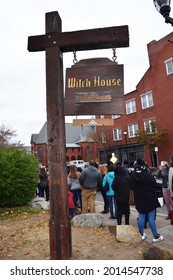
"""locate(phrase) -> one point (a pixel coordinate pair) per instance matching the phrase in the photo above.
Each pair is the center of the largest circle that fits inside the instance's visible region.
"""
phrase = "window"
(169, 66)
(147, 100)
(102, 116)
(115, 117)
(132, 129)
(148, 127)
(117, 134)
(130, 106)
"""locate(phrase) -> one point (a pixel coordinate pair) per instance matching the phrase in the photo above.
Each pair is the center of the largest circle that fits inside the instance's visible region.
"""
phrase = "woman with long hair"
(75, 187)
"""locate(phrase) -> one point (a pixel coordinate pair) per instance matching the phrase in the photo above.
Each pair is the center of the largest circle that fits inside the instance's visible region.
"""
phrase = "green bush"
(18, 176)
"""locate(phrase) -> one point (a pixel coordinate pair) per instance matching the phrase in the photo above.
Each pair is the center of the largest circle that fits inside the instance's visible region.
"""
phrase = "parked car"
(79, 163)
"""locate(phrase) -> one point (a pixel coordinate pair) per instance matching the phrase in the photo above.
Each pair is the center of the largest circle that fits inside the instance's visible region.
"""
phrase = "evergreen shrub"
(18, 176)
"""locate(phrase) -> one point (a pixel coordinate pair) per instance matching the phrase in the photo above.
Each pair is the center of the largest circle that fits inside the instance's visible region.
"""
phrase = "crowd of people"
(115, 183)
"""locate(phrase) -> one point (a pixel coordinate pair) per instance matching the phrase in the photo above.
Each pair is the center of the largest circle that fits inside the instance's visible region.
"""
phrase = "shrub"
(18, 176)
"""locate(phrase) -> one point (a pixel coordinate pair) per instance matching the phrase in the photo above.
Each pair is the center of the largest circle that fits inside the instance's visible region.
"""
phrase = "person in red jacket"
(71, 204)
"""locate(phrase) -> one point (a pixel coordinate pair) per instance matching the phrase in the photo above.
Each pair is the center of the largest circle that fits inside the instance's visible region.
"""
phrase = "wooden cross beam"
(101, 38)
(54, 42)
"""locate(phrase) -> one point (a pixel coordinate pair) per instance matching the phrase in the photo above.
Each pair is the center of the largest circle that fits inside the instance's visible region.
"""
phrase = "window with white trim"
(115, 117)
(102, 116)
(148, 125)
(147, 100)
(117, 134)
(132, 129)
(169, 66)
(130, 106)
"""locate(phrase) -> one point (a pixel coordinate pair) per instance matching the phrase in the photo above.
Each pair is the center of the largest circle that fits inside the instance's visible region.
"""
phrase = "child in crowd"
(71, 204)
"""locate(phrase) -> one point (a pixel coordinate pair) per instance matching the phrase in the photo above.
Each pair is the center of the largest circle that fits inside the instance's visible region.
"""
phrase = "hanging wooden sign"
(94, 87)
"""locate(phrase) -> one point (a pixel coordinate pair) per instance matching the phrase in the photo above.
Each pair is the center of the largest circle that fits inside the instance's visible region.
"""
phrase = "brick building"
(151, 101)
(78, 143)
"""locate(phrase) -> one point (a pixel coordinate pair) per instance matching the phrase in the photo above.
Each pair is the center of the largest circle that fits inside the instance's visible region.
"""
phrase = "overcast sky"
(22, 74)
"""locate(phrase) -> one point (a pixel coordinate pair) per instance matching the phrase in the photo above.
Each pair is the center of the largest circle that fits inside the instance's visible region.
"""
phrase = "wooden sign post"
(54, 42)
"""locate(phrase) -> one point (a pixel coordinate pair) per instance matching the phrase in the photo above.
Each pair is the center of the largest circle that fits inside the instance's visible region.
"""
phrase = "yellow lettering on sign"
(98, 82)
(78, 83)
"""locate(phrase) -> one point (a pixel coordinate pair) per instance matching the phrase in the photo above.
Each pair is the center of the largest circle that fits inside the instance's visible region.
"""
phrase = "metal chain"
(114, 58)
(75, 59)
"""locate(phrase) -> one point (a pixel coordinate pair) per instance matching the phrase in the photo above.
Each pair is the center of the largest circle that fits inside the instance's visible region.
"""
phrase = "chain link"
(114, 58)
(75, 59)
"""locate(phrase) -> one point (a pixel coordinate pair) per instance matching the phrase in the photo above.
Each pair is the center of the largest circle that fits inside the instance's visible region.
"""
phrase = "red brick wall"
(74, 153)
(40, 151)
(161, 85)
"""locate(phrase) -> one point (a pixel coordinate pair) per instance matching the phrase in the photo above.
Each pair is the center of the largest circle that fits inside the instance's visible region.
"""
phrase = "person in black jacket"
(121, 187)
(144, 186)
(43, 185)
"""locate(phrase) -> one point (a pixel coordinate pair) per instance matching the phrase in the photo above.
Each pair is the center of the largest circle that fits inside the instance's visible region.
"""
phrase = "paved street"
(164, 226)
(161, 210)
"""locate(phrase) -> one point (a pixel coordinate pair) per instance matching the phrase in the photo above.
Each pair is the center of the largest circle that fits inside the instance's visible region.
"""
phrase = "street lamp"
(163, 7)
(127, 154)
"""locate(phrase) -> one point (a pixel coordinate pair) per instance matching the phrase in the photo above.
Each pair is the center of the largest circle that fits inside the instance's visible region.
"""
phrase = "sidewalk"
(164, 227)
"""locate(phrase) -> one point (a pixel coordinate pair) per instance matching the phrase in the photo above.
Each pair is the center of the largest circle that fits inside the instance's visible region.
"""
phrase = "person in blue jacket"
(109, 177)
